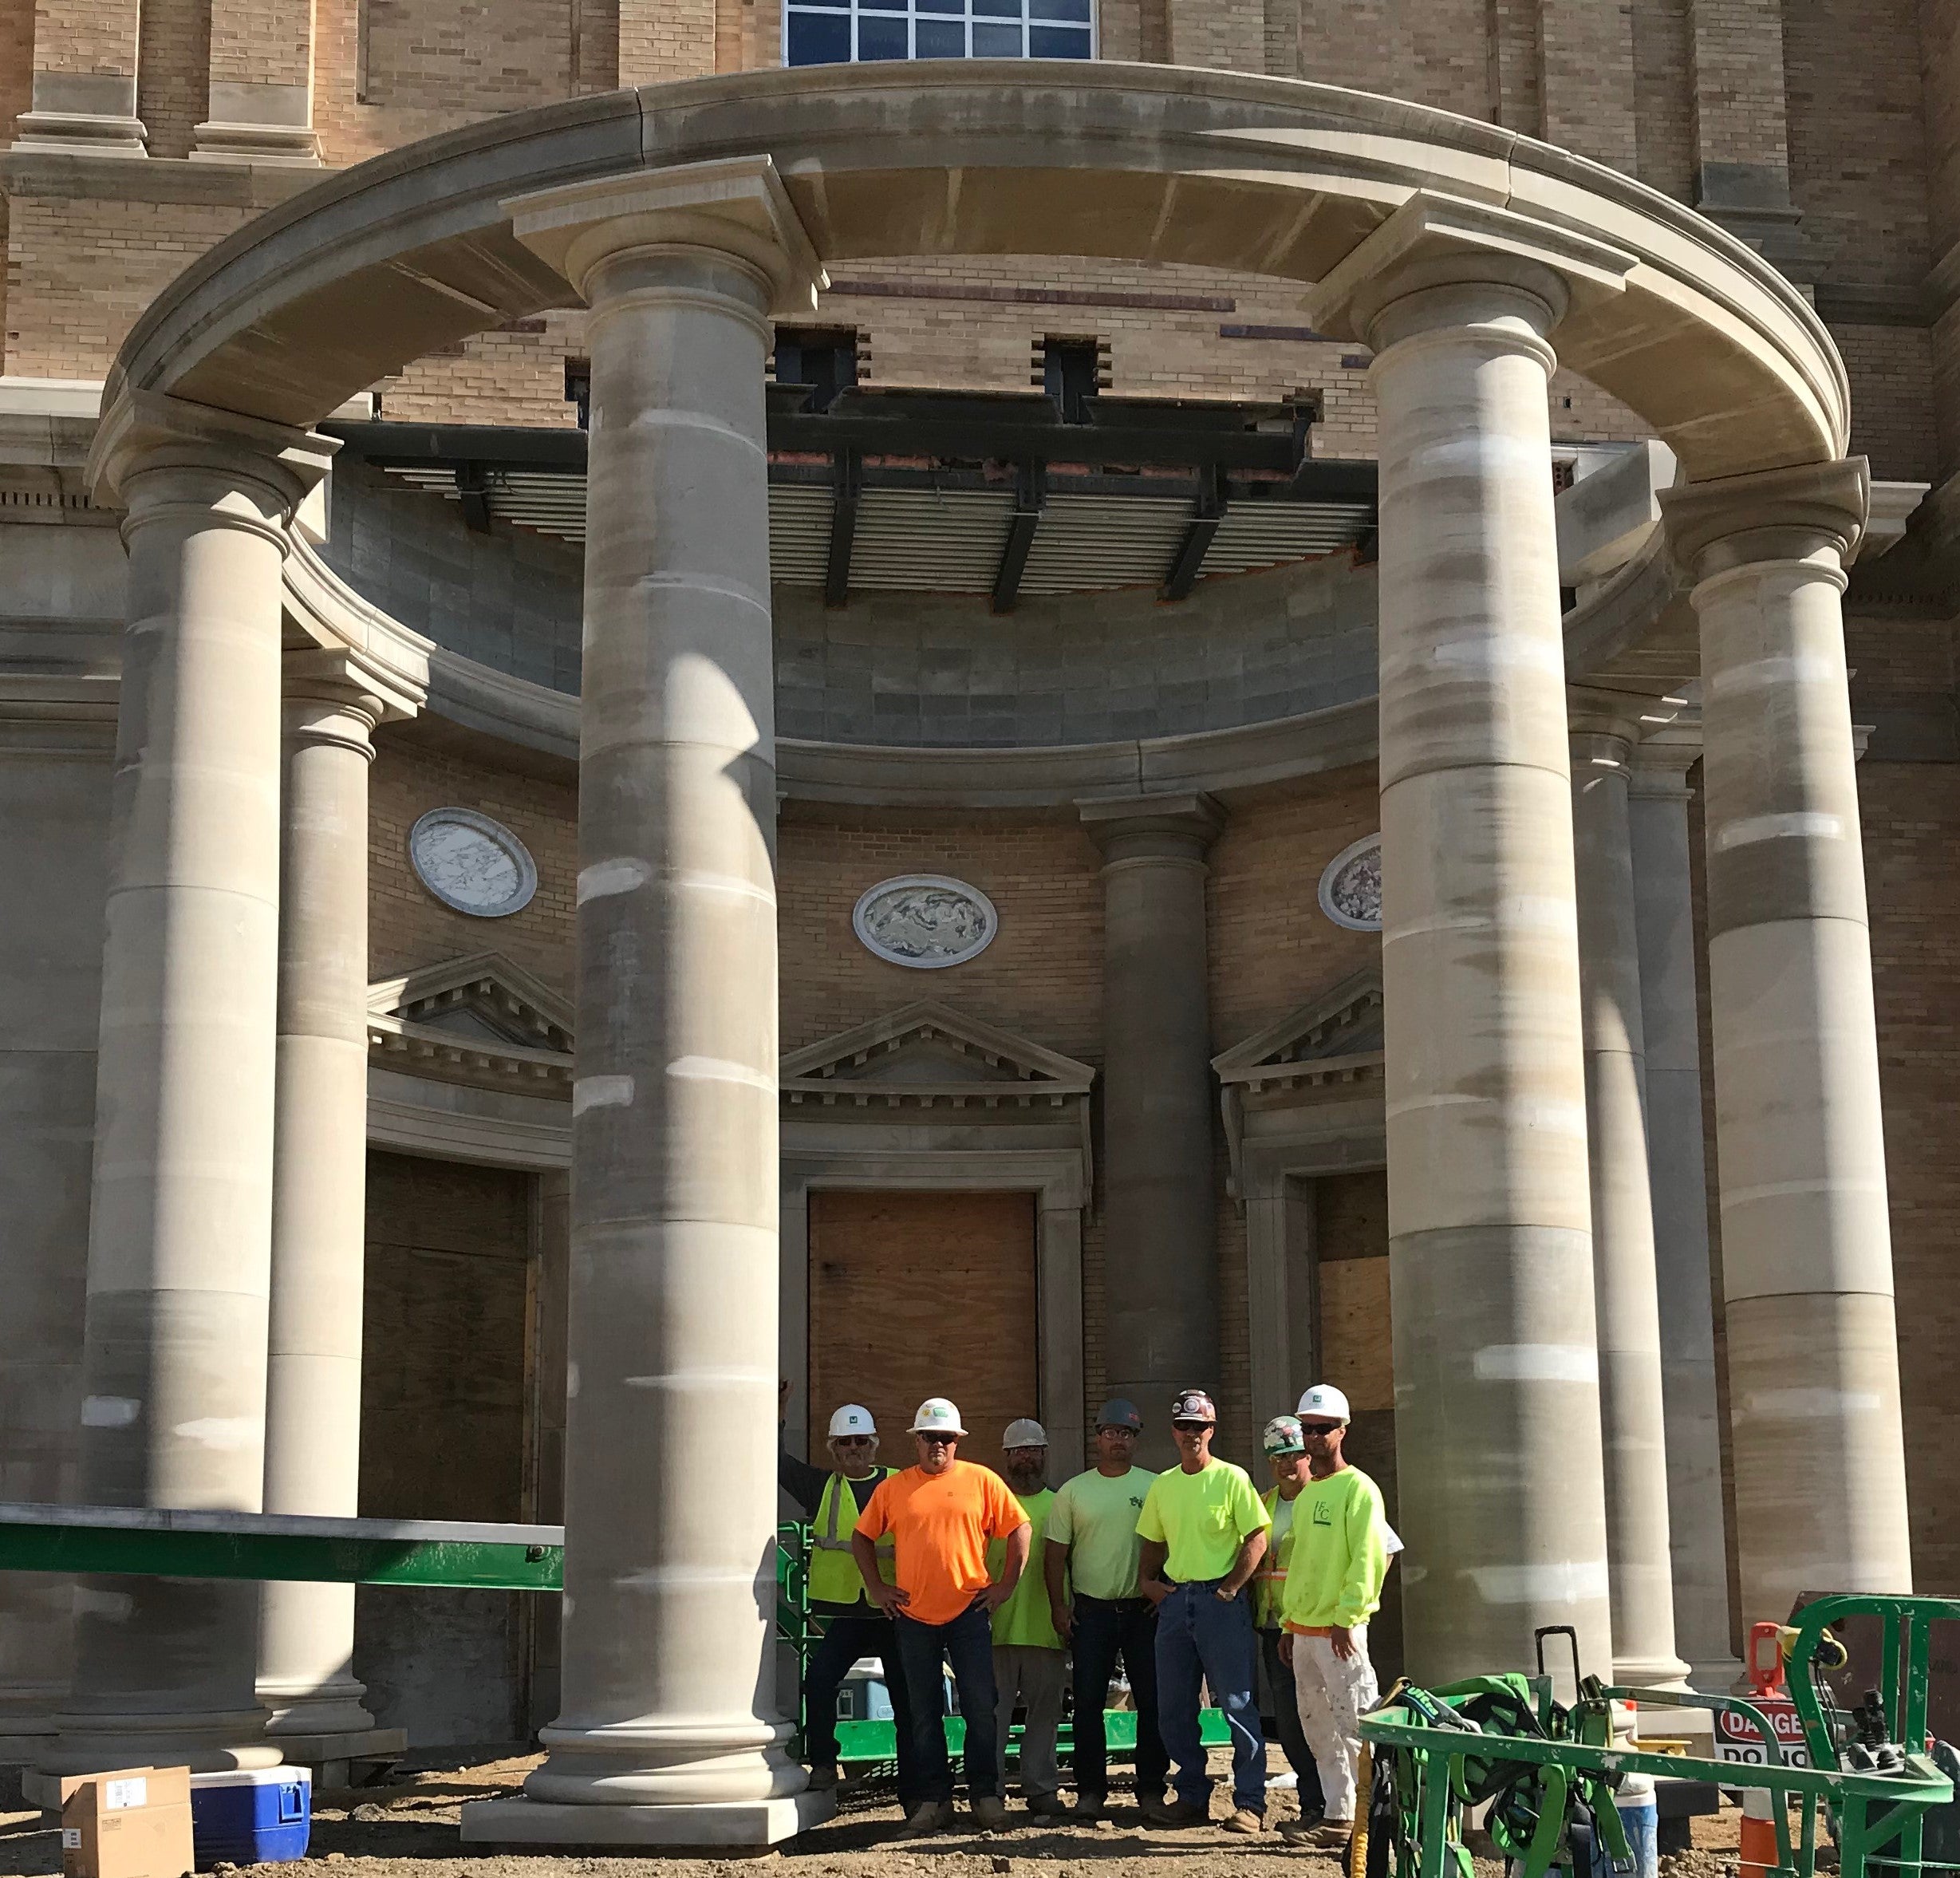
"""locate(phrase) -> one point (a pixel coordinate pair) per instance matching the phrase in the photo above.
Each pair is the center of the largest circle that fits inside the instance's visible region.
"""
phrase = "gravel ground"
(408, 1829)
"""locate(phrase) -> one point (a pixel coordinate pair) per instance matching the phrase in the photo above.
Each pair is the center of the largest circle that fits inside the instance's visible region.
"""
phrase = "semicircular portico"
(350, 280)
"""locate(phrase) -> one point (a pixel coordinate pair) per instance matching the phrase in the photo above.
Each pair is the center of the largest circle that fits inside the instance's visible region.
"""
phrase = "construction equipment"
(1543, 1767)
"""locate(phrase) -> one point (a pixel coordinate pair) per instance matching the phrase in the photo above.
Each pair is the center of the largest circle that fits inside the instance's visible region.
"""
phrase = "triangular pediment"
(929, 1048)
(1339, 1028)
(479, 1019)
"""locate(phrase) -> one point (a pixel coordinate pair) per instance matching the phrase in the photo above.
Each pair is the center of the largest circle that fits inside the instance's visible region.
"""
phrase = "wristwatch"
(1223, 1595)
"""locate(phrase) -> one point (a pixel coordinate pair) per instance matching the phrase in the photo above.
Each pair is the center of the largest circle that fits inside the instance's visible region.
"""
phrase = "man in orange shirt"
(941, 1514)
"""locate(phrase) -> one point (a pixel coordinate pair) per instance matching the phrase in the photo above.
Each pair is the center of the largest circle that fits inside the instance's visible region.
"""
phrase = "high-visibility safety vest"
(834, 1578)
(1269, 1580)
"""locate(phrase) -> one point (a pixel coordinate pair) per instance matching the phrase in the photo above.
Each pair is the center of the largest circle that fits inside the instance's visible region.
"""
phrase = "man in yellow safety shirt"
(1333, 1579)
(1286, 1452)
(852, 1627)
(1029, 1666)
(1204, 1533)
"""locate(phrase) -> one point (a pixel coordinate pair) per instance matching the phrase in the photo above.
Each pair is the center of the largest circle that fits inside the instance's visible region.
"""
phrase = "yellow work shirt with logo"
(1339, 1556)
(1201, 1519)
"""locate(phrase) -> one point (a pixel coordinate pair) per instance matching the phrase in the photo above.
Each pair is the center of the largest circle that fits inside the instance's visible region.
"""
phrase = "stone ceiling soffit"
(902, 1057)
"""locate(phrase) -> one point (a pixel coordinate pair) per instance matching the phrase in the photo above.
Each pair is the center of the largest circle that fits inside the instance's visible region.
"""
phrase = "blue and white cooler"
(252, 1816)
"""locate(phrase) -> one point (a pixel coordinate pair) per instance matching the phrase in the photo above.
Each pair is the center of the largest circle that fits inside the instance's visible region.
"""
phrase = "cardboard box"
(133, 1823)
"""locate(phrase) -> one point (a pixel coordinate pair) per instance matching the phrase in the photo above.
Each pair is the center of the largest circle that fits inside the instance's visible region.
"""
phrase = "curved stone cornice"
(412, 250)
(389, 661)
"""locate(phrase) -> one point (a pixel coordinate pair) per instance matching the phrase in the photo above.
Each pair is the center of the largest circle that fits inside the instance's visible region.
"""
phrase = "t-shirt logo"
(1324, 1514)
(1135, 1502)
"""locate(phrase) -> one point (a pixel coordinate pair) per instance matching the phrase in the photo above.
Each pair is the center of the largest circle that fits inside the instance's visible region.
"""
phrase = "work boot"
(1300, 1832)
(1244, 1819)
(822, 1778)
(1048, 1805)
(1089, 1807)
(1178, 1813)
(990, 1814)
(928, 1816)
(1331, 1835)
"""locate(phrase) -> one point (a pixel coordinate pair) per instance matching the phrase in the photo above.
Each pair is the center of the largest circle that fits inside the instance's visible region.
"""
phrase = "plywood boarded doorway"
(914, 1294)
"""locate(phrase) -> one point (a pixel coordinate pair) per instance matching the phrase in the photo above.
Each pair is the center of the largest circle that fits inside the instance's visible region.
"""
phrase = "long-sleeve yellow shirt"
(1340, 1554)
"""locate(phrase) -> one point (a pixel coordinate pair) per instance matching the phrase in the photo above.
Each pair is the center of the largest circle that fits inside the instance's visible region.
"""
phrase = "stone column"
(670, 1733)
(180, 1230)
(320, 1162)
(1633, 1423)
(1806, 1244)
(1159, 1203)
(1490, 1244)
(1669, 1017)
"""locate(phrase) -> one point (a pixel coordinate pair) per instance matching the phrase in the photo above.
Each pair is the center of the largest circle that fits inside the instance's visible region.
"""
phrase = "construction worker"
(1285, 1450)
(940, 1515)
(1091, 1563)
(850, 1625)
(1030, 1666)
(1334, 1578)
(1204, 1532)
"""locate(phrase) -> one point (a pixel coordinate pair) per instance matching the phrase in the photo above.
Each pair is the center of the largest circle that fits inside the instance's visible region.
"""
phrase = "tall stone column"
(1159, 1208)
(670, 1731)
(179, 1229)
(1657, 812)
(1633, 1422)
(1490, 1243)
(1806, 1244)
(319, 1187)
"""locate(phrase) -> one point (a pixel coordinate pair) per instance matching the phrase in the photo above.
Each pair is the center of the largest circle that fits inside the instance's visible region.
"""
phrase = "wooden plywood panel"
(444, 1378)
(1355, 1355)
(1350, 1216)
(919, 1294)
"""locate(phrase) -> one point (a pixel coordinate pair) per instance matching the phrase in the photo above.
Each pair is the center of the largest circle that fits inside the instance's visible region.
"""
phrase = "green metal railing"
(162, 1543)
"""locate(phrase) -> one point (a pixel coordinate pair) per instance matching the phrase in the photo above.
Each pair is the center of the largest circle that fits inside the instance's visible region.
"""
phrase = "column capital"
(146, 431)
(1152, 827)
(734, 205)
(321, 680)
(1783, 514)
(1661, 762)
(1601, 718)
(1437, 263)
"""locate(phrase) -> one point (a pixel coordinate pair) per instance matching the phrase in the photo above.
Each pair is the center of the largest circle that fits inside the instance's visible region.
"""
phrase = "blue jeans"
(1200, 1640)
(1106, 1628)
(847, 1635)
(967, 1644)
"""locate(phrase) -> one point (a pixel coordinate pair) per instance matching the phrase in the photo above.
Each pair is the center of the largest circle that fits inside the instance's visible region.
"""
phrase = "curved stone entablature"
(320, 298)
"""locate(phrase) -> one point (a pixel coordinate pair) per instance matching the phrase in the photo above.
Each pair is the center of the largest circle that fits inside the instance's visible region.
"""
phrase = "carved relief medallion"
(1351, 889)
(926, 920)
(472, 863)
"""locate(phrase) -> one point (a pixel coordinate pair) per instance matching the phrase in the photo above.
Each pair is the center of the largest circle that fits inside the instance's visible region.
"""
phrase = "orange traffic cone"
(1759, 1833)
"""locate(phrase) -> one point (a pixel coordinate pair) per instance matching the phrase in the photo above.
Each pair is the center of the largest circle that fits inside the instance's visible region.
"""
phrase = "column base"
(296, 146)
(721, 1826)
(95, 134)
(332, 1757)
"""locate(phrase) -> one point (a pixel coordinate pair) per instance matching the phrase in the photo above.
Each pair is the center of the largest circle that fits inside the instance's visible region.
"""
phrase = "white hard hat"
(1325, 1403)
(1026, 1433)
(936, 1416)
(852, 1418)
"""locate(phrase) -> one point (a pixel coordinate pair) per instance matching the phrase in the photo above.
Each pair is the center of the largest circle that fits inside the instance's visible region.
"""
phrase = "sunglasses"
(856, 1440)
(1322, 1427)
(939, 1441)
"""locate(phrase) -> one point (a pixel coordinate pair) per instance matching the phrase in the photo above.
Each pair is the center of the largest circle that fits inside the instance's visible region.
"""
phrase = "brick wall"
(80, 270)
(470, 56)
(173, 72)
(406, 925)
(1892, 418)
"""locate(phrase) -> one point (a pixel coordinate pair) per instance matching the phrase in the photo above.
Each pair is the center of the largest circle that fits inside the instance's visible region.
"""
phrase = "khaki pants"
(1035, 1677)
